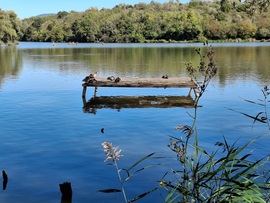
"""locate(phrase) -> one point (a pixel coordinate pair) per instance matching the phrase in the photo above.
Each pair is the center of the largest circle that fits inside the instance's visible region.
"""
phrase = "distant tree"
(260, 5)
(150, 25)
(62, 14)
(171, 21)
(246, 29)
(214, 30)
(194, 3)
(263, 33)
(10, 26)
(86, 29)
(192, 26)
(225, 5)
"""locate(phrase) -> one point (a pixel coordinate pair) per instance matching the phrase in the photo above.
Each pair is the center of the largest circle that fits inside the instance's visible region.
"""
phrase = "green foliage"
(10, 27)
(225, 6)
(62, 14)
(86, 29)
(225, 175)
(153, 22)
(258, 5)
(246, 29)
(263, 33)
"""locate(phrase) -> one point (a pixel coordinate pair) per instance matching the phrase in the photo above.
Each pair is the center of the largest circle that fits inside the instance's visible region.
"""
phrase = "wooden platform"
(144, 82)
(183, 82)
(140, 102)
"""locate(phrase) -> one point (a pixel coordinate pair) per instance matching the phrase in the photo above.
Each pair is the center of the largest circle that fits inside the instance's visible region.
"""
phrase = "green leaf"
(244, 157)
(141, 169)
(254, 118)
(142, 195)
(141, 160)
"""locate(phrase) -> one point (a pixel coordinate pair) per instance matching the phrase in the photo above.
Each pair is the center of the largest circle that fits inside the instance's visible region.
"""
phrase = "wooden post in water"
(95, 92)
(84, 91)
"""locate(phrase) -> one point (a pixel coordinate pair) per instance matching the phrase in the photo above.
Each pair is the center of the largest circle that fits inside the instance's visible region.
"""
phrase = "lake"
(47, 138)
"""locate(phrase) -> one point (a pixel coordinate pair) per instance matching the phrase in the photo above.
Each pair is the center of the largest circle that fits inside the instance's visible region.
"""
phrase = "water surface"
(47, 138)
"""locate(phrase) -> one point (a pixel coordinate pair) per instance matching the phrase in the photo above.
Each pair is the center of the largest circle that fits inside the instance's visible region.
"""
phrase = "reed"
(261, 116)
(113, 154)
(227, 174)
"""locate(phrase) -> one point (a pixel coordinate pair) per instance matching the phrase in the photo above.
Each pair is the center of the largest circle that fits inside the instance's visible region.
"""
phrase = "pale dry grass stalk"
(111, 152)
(114, 154)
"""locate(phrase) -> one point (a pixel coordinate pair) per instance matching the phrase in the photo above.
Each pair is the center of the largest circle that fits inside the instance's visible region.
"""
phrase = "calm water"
(47, 139)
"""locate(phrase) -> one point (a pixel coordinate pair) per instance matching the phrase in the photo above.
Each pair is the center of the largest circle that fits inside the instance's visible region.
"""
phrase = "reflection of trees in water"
(122, 61)
(243, 63)
(235, 62)
(58, 59)
(10, 62)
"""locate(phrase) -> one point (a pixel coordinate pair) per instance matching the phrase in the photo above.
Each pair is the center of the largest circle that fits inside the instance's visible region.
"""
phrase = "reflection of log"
(117, 102)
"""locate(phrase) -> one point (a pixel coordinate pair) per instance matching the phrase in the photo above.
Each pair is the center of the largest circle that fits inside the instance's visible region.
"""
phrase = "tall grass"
(227, 174)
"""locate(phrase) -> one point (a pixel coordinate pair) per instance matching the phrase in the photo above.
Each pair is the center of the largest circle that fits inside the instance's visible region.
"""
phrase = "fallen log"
(142, 82)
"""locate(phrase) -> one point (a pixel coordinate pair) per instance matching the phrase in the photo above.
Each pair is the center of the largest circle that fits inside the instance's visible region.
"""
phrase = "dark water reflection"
(10, 62)
(47, 139)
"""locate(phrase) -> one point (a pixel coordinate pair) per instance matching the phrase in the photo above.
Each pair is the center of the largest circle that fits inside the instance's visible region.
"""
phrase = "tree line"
(154, 22)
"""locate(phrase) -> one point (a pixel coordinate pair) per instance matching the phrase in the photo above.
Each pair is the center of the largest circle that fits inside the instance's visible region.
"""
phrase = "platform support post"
(84, 91)
(95, 92)
(190, 90)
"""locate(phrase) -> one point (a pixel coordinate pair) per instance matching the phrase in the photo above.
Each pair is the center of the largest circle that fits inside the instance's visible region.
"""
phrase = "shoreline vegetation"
(170, 22)
(15, 43)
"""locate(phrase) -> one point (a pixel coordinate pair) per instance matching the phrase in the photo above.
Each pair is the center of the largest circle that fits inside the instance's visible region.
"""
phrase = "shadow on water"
(119, 102)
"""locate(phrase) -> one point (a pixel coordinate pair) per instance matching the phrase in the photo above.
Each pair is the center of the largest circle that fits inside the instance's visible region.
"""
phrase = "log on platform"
(118, 102)
(143, 82)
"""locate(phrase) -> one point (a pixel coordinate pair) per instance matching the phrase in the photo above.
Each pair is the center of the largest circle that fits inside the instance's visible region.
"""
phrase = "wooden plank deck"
(127, 102)
(143, 82)
(180, 82)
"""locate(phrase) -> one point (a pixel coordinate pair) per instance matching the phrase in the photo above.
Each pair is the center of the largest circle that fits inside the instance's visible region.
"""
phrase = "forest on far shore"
(224, 20)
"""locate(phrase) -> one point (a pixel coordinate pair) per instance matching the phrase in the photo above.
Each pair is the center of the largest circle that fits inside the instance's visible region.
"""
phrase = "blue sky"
(28, 8)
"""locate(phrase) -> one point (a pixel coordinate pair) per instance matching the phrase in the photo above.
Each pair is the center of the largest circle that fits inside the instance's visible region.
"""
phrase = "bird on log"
(111, 78)
(165, 77)
(90, 78)
(117, 80)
